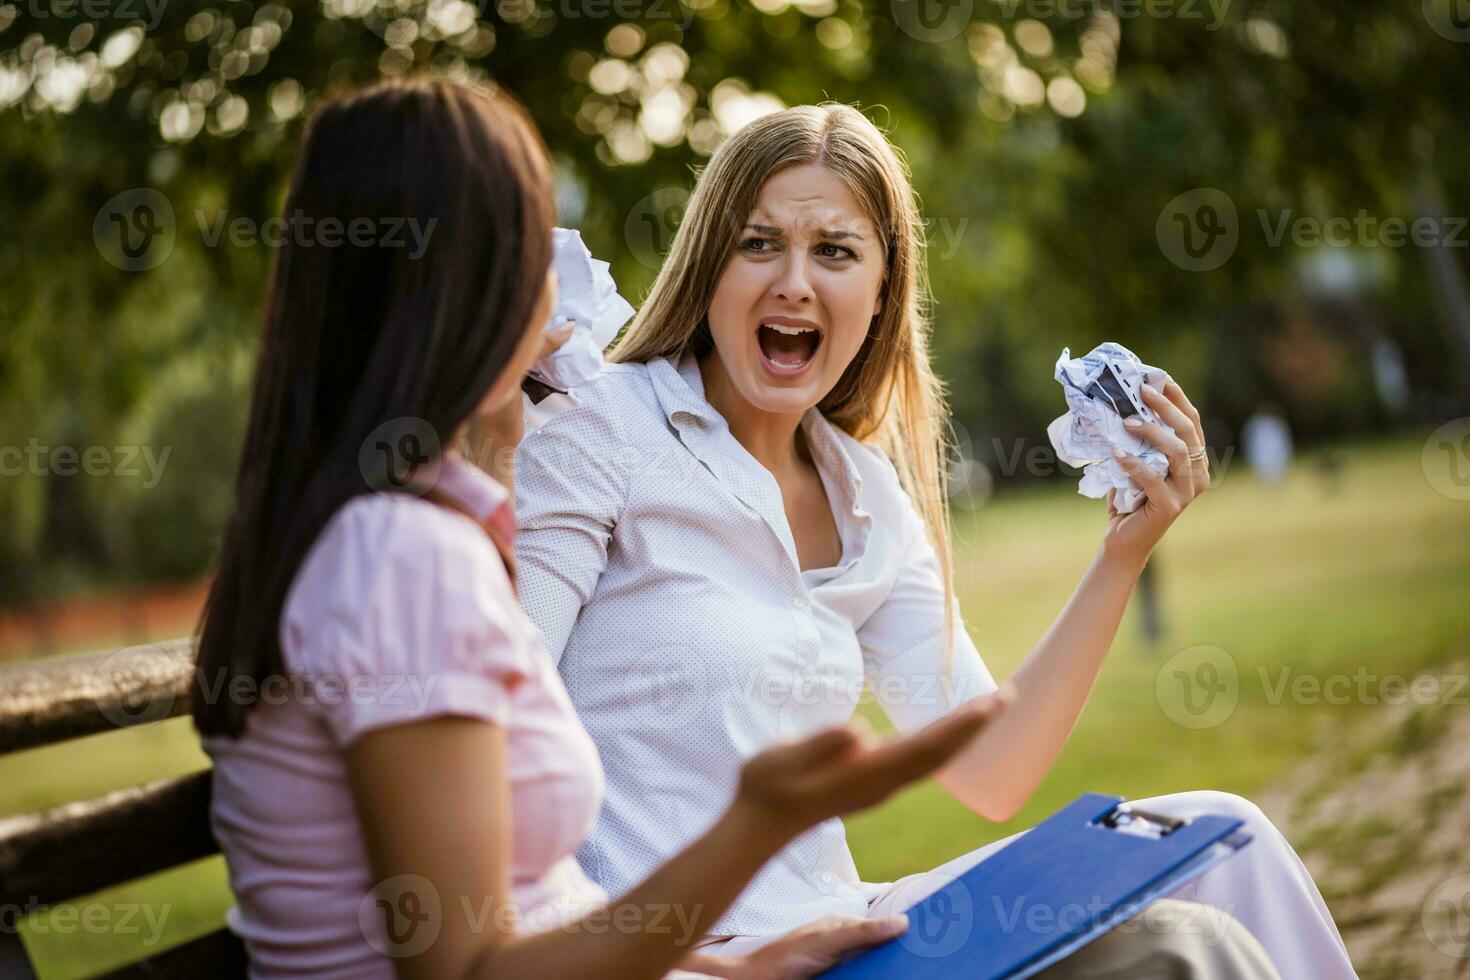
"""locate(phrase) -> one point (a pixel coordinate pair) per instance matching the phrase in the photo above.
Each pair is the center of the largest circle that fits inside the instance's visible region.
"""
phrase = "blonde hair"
(889, 396)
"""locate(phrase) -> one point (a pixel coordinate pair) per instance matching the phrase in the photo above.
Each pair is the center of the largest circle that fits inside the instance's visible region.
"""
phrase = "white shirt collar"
(680, 390)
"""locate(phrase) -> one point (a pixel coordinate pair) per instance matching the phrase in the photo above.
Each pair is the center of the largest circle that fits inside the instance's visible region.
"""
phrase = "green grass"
(1373, 576)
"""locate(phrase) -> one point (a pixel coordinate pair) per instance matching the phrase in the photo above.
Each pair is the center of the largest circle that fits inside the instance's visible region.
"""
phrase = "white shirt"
(655, 556)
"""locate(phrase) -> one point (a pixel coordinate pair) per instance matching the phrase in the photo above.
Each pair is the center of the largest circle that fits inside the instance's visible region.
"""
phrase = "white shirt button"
(800, 601)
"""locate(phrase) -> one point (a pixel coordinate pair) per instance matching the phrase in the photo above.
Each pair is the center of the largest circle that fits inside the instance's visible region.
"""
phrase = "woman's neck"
(767, 436)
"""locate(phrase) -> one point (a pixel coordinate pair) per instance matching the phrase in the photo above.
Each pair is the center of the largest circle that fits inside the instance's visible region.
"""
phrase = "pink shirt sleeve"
(403, 612)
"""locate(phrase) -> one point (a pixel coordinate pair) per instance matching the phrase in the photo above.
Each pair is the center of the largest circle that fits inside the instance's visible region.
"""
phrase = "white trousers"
(1264, 886)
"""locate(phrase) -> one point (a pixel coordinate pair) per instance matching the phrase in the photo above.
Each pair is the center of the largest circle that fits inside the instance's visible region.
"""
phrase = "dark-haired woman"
(400, 780)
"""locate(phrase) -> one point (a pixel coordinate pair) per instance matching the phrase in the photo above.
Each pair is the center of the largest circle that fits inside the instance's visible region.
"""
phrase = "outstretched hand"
(839, 770)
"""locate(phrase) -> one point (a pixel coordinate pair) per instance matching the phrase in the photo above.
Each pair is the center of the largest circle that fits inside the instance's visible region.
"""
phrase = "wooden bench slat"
(50, 700)
(218, 955)
(75, 849)
(66, 852)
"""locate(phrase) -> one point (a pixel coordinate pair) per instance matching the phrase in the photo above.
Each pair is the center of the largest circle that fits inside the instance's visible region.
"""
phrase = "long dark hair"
(359, 335)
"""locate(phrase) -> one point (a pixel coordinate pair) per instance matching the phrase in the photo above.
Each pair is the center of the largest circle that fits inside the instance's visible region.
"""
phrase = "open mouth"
(788, 348)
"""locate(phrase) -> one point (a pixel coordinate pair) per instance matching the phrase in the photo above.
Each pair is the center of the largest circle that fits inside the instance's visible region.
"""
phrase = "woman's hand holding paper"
(1131, 537)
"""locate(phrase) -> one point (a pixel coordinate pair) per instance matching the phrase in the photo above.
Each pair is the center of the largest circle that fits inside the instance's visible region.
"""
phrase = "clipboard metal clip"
(1140, 823)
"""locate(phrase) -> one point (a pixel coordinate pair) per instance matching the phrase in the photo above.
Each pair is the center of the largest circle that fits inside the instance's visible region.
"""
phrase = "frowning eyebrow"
(771, 231)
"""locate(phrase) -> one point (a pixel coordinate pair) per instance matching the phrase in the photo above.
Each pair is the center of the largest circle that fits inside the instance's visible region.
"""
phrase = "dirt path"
(1382, 819)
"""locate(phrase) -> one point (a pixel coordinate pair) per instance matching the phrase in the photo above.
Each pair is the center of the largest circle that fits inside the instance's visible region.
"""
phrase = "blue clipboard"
(1086, 869)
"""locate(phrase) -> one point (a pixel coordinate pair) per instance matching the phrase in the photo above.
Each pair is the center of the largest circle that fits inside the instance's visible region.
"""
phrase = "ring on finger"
(1197, 454)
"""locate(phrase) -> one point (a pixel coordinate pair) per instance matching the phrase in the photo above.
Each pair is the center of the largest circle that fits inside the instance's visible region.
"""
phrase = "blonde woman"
(744, 520)
(399, 779)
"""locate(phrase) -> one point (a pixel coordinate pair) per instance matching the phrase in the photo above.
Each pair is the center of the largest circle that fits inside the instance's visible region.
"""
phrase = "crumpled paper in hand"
(1102, 389)
(588, 297)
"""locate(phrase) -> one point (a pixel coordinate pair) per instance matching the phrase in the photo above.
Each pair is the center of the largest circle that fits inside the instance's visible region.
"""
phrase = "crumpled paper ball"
(1102, 389)
(588, 297)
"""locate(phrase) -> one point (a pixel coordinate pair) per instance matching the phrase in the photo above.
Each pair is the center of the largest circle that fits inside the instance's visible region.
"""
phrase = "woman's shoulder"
(616, 406)
(401, 612)
(620, 387)
(400, 532)
(384, 556)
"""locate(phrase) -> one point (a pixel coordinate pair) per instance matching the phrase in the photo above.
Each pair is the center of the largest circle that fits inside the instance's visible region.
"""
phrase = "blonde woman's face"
(794, 302)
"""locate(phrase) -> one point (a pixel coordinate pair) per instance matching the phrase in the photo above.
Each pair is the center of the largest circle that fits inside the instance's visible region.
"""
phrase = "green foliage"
(1046, 140)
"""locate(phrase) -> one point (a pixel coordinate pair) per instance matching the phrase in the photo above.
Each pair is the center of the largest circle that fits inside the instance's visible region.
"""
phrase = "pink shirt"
(401, 611)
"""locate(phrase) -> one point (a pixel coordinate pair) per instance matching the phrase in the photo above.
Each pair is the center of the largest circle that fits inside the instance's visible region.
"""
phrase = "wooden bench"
(69, 851)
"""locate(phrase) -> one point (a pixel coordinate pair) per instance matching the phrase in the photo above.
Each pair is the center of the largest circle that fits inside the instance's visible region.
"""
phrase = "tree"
(1050, 140)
